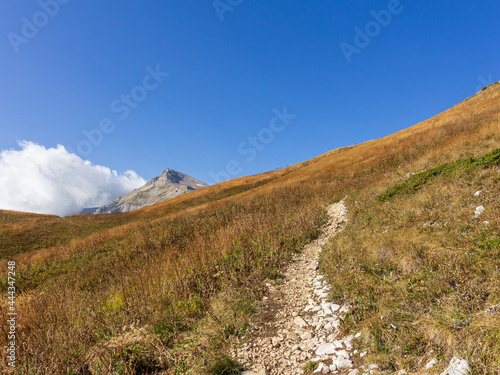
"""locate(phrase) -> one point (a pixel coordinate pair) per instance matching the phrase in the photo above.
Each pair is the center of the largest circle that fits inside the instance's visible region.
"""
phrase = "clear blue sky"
(226, 76)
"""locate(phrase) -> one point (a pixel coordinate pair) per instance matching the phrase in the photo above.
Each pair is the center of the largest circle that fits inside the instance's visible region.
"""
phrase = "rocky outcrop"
(168, 185)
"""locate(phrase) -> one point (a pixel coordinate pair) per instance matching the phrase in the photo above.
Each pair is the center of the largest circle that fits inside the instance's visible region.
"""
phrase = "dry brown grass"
(159, 275)
(426, 264)
(159, 269)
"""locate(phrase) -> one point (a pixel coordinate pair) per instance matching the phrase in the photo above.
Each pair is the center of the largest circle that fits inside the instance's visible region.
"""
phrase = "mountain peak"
(168, 185)
(172, 176)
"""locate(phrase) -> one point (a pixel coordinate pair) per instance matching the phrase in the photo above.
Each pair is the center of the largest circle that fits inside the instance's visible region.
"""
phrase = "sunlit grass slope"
(166, 288)
(421, 269)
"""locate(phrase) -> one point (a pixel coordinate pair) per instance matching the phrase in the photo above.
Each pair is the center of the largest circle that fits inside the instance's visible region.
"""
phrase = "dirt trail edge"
(298, 324)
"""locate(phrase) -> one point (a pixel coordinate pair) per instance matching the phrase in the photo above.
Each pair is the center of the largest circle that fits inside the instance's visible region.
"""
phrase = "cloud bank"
(54, 181)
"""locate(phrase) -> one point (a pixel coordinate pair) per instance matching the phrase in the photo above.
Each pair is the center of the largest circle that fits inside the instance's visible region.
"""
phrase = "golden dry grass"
(428, 266)
(158, 270)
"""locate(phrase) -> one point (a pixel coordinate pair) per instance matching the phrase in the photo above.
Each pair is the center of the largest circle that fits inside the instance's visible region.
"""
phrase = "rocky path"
(299, 324)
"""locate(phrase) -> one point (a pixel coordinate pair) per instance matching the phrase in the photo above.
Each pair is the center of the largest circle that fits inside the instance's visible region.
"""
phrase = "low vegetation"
(125, 300)
(421, 270)
(167, 288)
(416, 181)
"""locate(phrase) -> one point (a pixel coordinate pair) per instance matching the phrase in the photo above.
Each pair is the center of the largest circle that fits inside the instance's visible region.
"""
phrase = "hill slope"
(168, 287)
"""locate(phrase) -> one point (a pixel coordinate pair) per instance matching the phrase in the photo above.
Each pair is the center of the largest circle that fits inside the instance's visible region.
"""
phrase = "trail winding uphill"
(299, 324)
(298, 331)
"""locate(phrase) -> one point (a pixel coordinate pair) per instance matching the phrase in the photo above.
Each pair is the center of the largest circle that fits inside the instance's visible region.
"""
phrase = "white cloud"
(54, 181)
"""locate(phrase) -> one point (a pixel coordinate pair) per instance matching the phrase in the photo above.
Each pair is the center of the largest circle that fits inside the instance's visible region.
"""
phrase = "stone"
(326, 349)
(322, 369)
(256, 372)
(478, 193)
(306, 336)
(433, 362)
(458, 366)
(276, 340)
(334, 307)
(326, 309)
(342, 363)
(344, 354)
(344, 309)
(338, 344)
(300, 322)
(479, 210)
(309, 344)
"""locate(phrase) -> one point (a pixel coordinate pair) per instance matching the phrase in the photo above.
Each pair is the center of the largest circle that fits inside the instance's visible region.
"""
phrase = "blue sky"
(229, 72)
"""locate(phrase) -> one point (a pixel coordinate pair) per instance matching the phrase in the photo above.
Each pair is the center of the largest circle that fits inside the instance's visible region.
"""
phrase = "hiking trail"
(298, 323)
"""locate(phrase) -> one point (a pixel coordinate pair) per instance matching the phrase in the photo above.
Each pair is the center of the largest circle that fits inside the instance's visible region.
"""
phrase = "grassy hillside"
(21, 232)
(165, 288)
(421, 269)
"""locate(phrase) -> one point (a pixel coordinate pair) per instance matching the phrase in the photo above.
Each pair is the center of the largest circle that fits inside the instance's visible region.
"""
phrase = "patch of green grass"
(223, 365)
(309, 367)
(431, 283)
(415, 182)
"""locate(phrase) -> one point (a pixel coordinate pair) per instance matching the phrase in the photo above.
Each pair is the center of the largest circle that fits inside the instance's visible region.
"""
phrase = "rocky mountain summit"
(168, 185)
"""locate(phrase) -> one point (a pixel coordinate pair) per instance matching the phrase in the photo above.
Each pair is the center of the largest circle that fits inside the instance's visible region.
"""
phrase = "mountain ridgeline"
(168, 185)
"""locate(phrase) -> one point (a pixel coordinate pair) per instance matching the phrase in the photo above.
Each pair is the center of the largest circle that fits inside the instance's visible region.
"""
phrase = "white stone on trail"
(306, 336)
(258, 372)
(276, 340)
(301, 324)
(341, 363)
(479, 210)
(322, 369)
(326, 349)
(344, 354)
(326, 309)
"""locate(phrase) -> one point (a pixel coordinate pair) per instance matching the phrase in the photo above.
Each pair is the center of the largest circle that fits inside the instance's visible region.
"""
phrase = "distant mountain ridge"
(168, 185)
